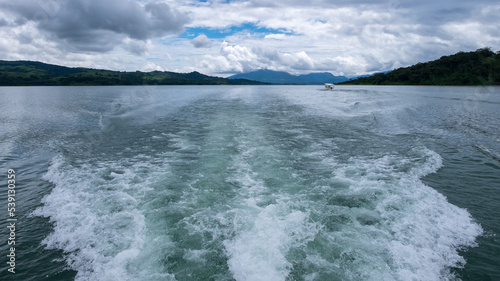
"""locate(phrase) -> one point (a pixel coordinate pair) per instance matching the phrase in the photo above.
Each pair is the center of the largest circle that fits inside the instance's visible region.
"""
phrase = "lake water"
(251, 183)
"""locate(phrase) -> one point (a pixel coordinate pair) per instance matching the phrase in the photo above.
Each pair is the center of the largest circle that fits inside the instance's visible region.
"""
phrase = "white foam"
(98, 223)
(427, 238)
(198, 256)
(259, 252)
(379, 197)
(414, 233)
(373, 220)
(264, 232)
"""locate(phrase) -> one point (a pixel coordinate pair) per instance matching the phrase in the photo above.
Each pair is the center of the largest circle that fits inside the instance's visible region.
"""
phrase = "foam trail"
(98, 222)
(245, 187)
(268, 225)
(259, 253)
(396, 227)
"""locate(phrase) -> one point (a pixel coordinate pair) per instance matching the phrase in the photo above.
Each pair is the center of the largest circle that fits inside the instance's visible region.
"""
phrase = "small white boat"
(329, 86)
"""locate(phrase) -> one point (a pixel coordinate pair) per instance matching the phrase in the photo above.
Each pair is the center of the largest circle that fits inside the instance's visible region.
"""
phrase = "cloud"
(276, 36)
(136, 47)
(201, 41)
(98, 26)
(236, 58)
(349, 37)
(151, 66)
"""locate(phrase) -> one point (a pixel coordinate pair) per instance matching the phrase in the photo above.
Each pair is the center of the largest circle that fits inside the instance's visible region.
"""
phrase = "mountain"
(480, 67)
(32, 73)
(281, 77)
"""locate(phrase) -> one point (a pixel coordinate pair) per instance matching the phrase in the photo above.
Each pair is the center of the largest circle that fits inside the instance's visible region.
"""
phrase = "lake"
(250, 183)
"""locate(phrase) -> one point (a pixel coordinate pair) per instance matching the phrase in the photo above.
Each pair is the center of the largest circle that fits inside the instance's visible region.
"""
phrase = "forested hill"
(481, 67)
(30, 73)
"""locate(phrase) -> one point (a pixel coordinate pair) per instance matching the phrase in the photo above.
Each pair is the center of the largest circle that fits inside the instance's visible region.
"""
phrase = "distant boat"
(329, 86)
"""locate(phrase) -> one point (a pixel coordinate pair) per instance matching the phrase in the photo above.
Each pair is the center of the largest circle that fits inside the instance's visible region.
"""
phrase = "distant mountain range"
(282, 77)
(32, 73)
(481, 67)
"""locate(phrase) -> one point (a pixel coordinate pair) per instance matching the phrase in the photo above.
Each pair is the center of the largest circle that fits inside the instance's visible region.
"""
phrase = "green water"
(253, 183)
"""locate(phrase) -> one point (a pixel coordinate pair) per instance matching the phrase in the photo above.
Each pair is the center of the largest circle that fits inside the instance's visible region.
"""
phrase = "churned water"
(252, 183)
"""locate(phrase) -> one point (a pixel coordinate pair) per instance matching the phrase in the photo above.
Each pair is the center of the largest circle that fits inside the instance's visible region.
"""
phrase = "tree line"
(31, 73)
(480, 67)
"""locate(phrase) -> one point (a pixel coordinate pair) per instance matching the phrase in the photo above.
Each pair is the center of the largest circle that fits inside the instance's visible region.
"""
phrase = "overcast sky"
(226, 37)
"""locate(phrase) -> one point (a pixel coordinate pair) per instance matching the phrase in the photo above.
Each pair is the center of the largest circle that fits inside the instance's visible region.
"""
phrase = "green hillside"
(481, 67)
(30, 73)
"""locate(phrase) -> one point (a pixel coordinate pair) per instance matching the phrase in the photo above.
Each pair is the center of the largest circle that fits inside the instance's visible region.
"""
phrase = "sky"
(222, 38)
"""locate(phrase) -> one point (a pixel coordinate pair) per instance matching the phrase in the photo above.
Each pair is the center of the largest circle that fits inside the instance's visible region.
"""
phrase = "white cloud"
(236, 58)
(201, 41)
(342, 37)
(151, 66)
(275, 36)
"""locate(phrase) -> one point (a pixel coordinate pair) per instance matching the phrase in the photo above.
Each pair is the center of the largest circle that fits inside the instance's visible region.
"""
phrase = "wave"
(97, 218)
(231, 200)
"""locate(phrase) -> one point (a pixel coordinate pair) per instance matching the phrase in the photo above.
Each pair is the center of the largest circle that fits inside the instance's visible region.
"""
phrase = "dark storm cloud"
(97, 25)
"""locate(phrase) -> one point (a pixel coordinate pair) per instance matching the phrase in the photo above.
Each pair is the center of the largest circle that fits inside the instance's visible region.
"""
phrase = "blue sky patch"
(218, 33)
